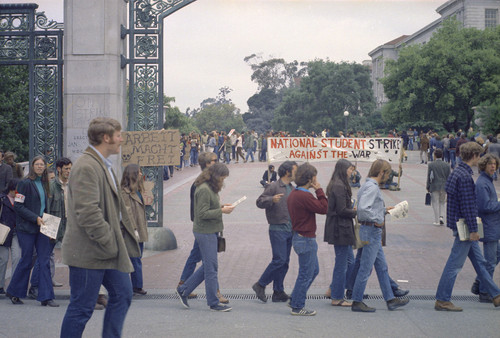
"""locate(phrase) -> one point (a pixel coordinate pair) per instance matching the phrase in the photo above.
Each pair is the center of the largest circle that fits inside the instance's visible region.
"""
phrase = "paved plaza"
(416, 252)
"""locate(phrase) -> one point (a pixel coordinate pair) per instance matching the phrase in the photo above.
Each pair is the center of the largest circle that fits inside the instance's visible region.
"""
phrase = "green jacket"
(207, 211)
(95, 237)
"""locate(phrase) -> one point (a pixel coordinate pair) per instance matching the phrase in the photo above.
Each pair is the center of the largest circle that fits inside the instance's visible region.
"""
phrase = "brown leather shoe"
(496, 301)
(222, 299)
(101, 299)
(448, 306)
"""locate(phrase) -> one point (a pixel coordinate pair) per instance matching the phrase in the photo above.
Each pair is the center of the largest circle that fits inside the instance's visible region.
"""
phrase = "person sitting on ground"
(265, 178)
(390, 184)
(355, 178)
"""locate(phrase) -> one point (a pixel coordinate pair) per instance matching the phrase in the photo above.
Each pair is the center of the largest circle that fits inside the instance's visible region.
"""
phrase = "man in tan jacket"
(99, 238)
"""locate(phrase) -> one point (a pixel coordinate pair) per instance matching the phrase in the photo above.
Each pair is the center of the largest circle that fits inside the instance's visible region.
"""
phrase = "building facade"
(471, 13)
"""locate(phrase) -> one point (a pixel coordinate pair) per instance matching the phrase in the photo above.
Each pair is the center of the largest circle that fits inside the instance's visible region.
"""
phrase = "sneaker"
(441, 220)
(435, 223)
(260, 291)
(475, 287)
(400, 292)
(2, 291)
(446, 306)
(279, 296)
(183, 299)
(361, 307)
(221, 308)
(393, 304)
(303, 312)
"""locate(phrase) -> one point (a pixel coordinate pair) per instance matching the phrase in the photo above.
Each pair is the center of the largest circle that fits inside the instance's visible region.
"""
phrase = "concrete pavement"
(416, 252)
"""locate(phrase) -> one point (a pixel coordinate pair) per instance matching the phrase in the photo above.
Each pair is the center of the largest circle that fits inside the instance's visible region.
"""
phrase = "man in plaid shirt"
(462, 204)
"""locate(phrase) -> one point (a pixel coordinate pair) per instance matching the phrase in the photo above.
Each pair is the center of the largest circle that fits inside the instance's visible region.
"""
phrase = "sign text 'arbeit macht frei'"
(318, 149)
(151, 148)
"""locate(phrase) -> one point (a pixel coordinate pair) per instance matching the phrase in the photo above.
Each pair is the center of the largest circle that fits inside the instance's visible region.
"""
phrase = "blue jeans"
(372, 255)
(18, 285)
(193, 259)
(459, 252)
(249, 153)
(344, 259)
(35, 273)
(491, 251)
(352, 272)
(228, 157)
(136, 276)
(307, 250)
(85, 284)
(281, 244)
(263, 153)
(453, 158)
(194, 156)
(207, 271)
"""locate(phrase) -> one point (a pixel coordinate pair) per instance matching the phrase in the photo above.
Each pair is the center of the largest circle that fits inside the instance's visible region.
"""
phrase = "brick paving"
(416, 250)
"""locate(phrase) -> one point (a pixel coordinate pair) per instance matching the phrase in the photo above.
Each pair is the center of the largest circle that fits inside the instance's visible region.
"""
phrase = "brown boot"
(191, 295)
(222, 299)
(496, 301)
(447, 306)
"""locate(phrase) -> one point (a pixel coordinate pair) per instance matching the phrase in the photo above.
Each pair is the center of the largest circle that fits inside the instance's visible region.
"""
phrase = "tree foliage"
(324, 94)
(218, 113)
(219, 116)
(275, 74)
(440, 82)
(14, 110)
(174, 119)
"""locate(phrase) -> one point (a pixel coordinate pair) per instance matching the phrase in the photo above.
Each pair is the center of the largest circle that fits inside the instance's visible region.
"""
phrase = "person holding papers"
(207, 224)
(462, 204)
(488, 207)
(30, 203)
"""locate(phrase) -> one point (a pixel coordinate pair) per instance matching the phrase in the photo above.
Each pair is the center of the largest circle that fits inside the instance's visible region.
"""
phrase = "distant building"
(471, 13)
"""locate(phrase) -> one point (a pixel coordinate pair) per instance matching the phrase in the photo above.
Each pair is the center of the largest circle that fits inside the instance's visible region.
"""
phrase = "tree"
(324, 94)
(174, 119)
(274, 74)
(261, 110)
(440, 82)
(14, 110)
(217, 116)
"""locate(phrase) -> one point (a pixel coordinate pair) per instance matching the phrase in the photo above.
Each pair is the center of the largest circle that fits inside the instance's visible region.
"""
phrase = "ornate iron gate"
(145, 62)
(29, 38)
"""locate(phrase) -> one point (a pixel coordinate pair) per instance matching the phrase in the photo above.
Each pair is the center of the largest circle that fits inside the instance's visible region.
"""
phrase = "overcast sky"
(206, 41)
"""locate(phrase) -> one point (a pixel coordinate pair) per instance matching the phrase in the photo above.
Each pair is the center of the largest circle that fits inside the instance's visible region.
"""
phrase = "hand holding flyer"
(239, 201)
(400, 210)
(50, 226)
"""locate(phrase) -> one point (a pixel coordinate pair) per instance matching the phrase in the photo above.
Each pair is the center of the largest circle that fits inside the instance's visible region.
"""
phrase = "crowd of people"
(103, 224)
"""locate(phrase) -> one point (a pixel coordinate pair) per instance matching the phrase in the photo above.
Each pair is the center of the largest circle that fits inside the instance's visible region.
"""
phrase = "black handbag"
(221, 243)
(428, 198)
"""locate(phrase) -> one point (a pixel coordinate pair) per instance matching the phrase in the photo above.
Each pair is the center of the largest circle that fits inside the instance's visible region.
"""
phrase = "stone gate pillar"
(94, 82)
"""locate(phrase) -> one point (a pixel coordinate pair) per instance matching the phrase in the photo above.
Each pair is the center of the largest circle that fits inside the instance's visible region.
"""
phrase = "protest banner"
(322, 149)
(151, 148)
